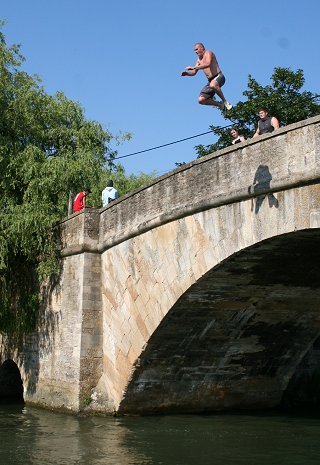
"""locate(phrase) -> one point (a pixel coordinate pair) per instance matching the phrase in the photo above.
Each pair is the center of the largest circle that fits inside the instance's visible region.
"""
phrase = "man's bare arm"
(206, 61)
(275, 122)
(190, 70)
(257, 133)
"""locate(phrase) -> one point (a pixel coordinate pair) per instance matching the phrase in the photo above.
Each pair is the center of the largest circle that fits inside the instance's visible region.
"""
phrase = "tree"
(125, 183)
(283, 99)
(122, 182)
(47, 148)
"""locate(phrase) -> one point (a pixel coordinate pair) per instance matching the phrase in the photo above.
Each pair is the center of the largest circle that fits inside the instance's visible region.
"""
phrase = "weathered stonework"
(175, 303)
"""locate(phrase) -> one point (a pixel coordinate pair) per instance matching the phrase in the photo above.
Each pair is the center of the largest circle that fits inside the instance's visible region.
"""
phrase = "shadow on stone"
(261, 183)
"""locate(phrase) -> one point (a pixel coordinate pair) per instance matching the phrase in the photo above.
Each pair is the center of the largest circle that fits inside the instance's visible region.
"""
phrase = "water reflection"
(38, 437)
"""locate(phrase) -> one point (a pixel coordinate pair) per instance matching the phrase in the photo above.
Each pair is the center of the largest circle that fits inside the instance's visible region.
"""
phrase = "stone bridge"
(197, 292)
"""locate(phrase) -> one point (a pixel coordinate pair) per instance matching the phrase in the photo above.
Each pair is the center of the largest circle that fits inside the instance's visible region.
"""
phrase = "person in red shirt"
(79, 202)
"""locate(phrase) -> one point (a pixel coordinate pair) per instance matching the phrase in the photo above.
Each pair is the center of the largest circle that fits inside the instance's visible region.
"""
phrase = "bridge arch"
(152, 275)
(244, 198)
(246, 335)
(11, 386)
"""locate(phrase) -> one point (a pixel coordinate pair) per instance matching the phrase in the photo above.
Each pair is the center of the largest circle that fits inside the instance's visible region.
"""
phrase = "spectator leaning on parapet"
(109, 194)
(236, 137)
(79, 202)
(266, 123)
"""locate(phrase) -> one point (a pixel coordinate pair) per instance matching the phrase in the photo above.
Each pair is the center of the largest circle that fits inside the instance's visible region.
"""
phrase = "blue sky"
(122, 61)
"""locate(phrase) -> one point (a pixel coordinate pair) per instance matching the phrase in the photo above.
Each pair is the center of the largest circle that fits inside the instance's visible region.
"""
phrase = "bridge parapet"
(286, 158)
(80, 232)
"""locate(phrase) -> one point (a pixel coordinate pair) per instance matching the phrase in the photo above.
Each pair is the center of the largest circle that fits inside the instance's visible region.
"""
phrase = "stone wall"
(62, 361)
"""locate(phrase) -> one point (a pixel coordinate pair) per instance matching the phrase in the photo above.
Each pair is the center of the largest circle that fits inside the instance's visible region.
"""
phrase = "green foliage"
(47, 148)
(122, 182)
(87, 401)
(283, 99)
(127, 184)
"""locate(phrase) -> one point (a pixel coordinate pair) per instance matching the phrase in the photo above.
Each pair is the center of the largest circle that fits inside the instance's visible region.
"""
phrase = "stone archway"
(11, 386)
(245, 336)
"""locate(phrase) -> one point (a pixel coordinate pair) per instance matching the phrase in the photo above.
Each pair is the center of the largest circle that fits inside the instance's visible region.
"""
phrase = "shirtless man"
(207, 61)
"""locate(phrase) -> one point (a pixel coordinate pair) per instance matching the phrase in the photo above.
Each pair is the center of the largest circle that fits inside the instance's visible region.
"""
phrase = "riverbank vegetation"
(47, 149)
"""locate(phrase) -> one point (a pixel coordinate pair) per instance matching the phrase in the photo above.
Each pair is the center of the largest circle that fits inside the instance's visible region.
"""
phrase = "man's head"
(199, 49)
(110, 183)
(87, 190)
(263, 113)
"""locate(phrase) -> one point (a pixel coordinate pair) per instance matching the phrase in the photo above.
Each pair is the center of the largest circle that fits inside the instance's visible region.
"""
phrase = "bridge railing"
(273, 162)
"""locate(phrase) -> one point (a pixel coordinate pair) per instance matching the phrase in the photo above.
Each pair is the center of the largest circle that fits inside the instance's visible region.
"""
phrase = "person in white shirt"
(109, 194)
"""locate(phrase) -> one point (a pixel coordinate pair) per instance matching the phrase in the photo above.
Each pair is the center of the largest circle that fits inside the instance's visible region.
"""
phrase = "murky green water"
(38, 437)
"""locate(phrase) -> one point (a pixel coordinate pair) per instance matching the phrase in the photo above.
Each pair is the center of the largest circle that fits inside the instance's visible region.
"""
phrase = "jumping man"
(207, 61)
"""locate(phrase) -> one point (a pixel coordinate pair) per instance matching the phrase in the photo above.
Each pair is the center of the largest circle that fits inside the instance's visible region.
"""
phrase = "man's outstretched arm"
(189, 71)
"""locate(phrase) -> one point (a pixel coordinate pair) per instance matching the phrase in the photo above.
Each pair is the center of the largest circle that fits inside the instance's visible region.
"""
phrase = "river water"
(30, 436)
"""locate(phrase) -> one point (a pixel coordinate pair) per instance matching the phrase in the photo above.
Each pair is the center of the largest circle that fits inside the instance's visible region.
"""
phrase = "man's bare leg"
(208, 101)
(220, 94)
(217, 90)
